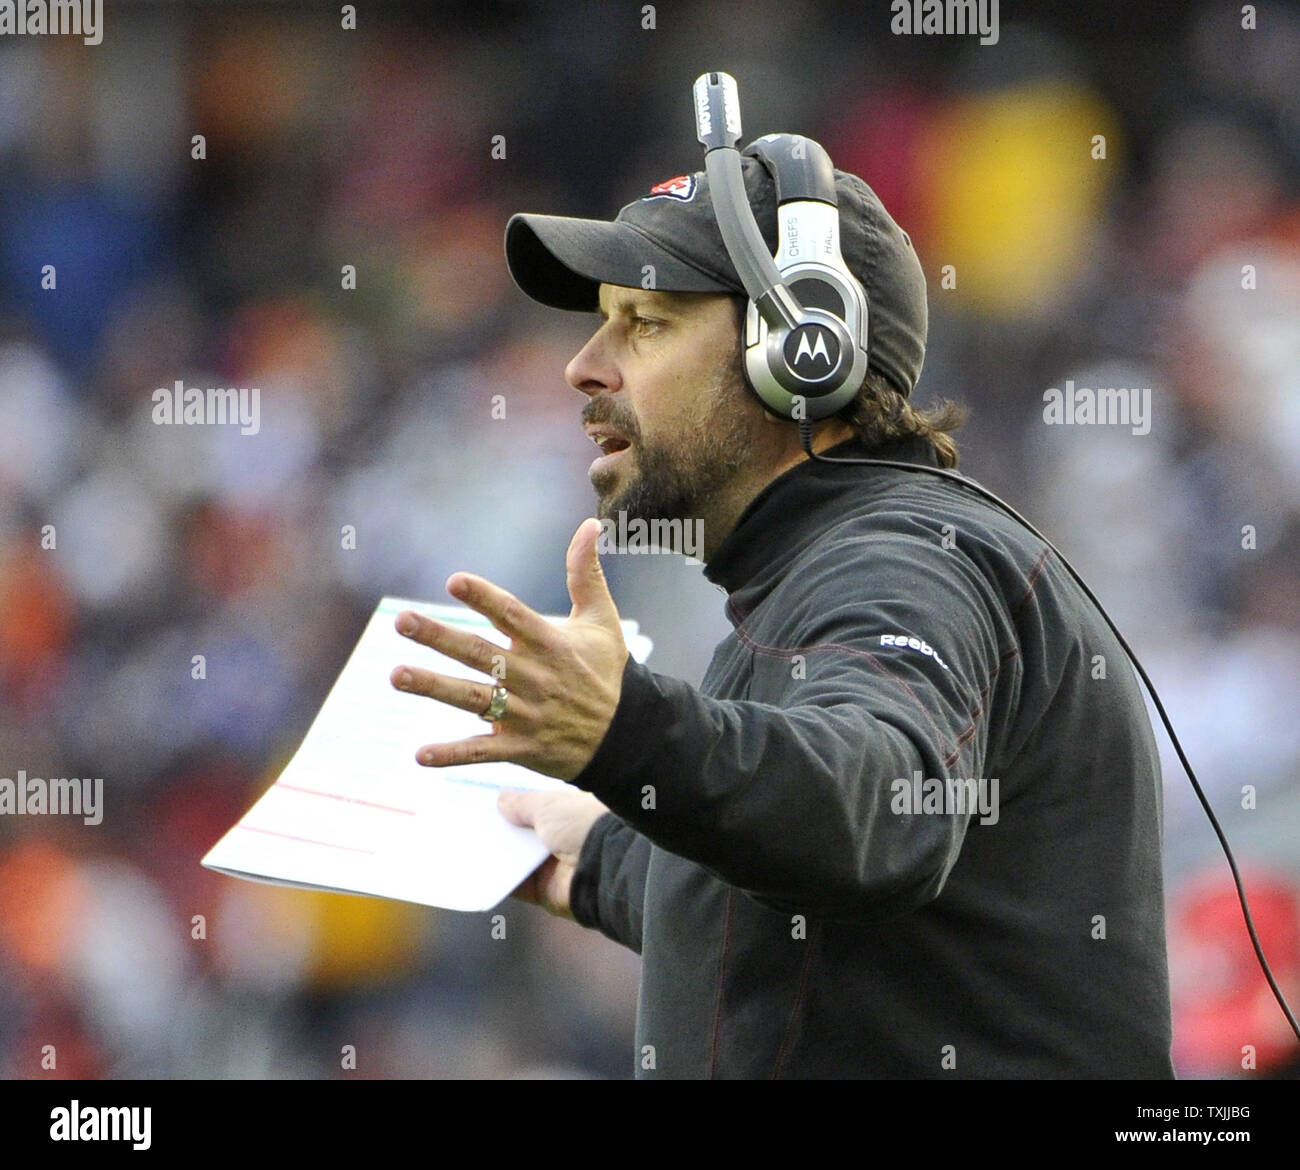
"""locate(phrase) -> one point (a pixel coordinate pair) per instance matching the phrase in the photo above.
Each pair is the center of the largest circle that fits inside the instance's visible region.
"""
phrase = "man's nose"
(591, 370)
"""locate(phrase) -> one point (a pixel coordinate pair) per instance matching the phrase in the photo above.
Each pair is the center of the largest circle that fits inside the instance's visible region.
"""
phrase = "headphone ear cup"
(815, 292)
(812, 371)
(756, 369)
(809, 360)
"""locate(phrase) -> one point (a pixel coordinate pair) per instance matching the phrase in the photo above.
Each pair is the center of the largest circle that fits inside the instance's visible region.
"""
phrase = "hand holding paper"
(563, 681)
(561, 820)
(354, 811)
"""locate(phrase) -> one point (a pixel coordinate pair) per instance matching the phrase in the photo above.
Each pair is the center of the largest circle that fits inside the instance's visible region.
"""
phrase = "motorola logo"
(812, 352)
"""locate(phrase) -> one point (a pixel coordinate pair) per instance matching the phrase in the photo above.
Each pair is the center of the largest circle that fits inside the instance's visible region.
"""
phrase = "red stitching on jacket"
(783, 651)
(722, 976)
(955, 753)
(952, 757)
(1034, 574)
(798, 1002)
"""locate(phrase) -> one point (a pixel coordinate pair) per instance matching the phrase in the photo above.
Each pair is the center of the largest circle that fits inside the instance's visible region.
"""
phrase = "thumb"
(588, 589)
(518, 807)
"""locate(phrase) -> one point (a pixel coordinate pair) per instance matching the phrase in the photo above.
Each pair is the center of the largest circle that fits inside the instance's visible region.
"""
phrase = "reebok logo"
(912, 644)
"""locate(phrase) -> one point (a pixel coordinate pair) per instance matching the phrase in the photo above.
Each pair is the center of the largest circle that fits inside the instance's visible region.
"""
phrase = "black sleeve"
(608, 890)
(795, 801)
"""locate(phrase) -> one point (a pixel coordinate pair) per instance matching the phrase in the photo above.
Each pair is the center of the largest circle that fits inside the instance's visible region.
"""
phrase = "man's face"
(666, 403)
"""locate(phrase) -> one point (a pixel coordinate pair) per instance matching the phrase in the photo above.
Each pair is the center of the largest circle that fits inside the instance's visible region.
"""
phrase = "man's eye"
(644, 324)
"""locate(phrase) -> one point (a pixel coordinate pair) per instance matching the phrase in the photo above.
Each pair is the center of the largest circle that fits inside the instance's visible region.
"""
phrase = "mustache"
(604, 410)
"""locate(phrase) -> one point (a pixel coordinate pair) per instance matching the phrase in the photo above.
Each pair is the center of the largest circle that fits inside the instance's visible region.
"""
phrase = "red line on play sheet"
(307, 840)
(410, 812)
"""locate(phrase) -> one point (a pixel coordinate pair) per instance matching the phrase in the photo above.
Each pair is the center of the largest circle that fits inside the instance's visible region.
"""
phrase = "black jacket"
(796, 915)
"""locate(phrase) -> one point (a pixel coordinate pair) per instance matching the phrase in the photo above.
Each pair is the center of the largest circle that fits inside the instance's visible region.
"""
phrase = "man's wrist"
(630, 739)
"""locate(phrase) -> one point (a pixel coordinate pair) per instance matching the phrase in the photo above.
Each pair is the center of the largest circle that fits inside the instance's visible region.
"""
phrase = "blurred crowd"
(1166, 257)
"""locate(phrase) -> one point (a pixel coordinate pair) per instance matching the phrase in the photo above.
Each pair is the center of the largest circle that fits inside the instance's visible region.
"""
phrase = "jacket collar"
(794, 510)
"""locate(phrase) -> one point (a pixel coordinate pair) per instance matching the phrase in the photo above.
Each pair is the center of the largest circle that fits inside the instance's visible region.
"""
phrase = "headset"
(805, 348)
(805, 353)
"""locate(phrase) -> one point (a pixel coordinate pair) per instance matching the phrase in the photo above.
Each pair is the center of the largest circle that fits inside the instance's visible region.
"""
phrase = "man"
(909, 825)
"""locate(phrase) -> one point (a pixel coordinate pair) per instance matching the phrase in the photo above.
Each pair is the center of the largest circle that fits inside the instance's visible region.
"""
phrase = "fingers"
(504, 610)
(463, 646)
(465, 693)
(478, 749)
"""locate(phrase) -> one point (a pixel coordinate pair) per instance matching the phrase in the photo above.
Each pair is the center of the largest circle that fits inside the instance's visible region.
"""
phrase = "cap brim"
(562, 262)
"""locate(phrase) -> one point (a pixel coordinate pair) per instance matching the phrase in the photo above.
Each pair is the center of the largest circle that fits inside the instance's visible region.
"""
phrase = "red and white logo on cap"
(680, 187)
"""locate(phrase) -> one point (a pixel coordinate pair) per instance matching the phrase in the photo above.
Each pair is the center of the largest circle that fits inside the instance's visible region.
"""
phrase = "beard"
(678, 477)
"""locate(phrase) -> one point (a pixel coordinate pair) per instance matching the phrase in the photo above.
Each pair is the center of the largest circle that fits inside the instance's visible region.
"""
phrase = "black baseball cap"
(561, 261)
